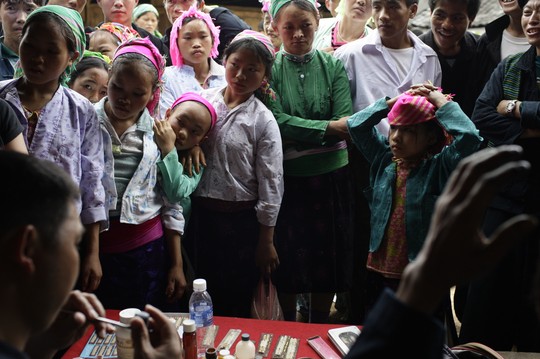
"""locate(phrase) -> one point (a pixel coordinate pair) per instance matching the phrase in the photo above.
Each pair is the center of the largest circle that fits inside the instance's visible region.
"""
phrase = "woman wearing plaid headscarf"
(59, 124)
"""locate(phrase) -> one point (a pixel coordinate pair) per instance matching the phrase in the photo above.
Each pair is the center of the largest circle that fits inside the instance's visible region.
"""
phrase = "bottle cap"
(224, 353)
(189, 326)
(211, 353)
(245, 337)
(127, 314)
(199, 285)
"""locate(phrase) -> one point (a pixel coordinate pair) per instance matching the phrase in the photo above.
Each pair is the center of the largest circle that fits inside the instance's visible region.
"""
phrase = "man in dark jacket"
(455, 47)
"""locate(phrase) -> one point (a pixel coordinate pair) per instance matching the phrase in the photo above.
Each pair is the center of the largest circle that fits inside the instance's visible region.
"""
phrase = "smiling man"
(455, 47)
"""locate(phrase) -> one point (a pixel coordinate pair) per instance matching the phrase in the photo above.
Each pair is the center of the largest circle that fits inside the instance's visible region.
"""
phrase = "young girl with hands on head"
(429, 135)
(59, 124)
(241, 188)
(140, 254)
(194, 44)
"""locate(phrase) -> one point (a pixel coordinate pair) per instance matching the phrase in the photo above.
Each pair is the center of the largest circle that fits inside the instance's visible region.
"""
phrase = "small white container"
(245, 349)
(124, 344)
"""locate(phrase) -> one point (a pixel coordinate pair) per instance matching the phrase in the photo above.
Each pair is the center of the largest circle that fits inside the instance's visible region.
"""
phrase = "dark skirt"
(134, 278)
(314, 234)
(221, 246)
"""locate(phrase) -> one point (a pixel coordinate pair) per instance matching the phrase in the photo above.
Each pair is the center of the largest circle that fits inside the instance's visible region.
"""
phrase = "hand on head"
(456, 250)
(162, 343)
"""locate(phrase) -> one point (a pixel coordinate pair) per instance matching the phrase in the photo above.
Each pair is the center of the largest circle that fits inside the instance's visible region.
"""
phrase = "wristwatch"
(511, 106)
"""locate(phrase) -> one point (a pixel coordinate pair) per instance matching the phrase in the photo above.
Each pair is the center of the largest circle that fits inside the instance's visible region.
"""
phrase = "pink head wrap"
(412, 110)
(144, 47)
(192, 96)
(265, 5)
(176, 56)
(265, 40)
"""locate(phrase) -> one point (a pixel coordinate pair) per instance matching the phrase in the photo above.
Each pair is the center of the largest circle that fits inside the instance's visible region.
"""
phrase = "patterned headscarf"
(75, 24)
(193, 96)
(145, 48)
(121, 32)
(412, 110)
(265, 5)
(176, 56)
(265, 40)
(278, 4)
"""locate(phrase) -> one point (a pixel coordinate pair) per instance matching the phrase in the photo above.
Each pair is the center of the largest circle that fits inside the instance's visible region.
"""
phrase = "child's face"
(44, 54)
(530, 21)
(195, 42)
(410, 143)
(92, 84)
(449, 22)
(13, 14)
(296, 27)
(148, 21)
(104, 42)
(130, 89)
(392, 18)
(190, 122)
(244, 72)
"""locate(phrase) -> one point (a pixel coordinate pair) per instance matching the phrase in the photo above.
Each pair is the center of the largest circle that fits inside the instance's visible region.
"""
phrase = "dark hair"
(36, 192)
(304, 5)
(522, 3)
(132, 58)
(472, 6)
(263, 54)
(409, 3)
(87, 63)
(46, 17)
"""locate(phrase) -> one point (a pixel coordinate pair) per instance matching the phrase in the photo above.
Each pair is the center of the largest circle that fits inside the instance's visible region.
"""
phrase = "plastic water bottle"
(245, 349)
(202, 312)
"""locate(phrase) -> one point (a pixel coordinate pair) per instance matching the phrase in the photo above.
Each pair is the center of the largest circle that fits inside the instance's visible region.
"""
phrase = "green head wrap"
(278, 4)
(99, 55)
(74, 22)
(143, 9)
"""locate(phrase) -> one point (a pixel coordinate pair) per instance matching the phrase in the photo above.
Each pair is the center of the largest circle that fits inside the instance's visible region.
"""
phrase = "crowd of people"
(311, 152)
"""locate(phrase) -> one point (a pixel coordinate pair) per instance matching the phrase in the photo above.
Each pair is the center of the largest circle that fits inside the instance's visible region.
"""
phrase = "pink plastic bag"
(265, 304)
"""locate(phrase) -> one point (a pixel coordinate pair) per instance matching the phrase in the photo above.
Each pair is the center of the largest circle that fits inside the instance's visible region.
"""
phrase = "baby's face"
(190, 122)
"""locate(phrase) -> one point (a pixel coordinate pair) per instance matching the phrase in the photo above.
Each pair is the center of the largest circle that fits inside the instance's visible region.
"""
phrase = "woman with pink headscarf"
(140, 253)
(194, 45)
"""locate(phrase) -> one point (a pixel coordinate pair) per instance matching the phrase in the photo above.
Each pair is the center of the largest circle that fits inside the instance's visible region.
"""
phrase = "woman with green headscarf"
(59, 124)
(146, 16)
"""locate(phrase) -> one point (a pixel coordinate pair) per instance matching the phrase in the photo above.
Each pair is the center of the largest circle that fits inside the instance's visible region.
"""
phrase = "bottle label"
(202, 314)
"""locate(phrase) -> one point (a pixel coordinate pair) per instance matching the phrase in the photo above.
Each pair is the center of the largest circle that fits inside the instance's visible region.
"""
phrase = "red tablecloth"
(252, 326)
